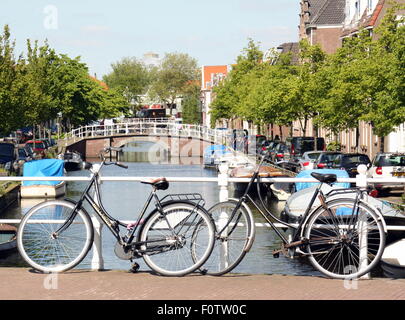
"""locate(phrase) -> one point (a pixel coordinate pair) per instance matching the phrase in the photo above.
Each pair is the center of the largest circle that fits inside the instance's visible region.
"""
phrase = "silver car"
(387, 165)
(308, 160)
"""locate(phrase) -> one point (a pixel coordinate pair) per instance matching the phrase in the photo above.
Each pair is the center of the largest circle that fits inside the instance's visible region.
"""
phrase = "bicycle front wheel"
(46, 251)
(167, 239)
(234, 236)
(346, 240)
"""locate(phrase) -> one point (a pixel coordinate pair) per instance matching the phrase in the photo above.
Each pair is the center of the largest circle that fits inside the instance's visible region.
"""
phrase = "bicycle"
(56, 235)
(343, 238)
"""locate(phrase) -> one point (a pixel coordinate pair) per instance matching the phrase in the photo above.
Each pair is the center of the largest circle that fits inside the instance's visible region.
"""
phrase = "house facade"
(321, 23)
(210, 77)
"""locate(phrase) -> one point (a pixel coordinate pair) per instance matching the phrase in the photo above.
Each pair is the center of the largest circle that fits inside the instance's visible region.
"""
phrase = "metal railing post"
(97, 261)
(223, 181)
(361, 182)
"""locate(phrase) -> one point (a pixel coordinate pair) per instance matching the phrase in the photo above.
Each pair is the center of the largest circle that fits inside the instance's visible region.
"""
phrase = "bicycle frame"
(96, 203)
(296, 239)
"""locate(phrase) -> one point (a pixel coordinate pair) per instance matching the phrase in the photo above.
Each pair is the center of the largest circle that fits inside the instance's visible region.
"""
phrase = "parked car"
(7, 155)
(46, 142)
(280, 153)
(23, 156)
(299, 145)
(254, 143)
(326, 159)
(308, 160)
(294, 148)
(37, 146)
(267, 145)
(350, 162)
(387, 165)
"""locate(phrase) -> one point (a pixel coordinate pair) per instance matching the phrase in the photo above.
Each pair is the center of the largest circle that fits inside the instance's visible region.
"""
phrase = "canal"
(124, 200)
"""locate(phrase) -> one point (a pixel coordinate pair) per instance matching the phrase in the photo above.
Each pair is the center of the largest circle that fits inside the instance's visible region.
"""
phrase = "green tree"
(172, 78)
(10, 84)
(191, 104)
(231, 94)
(386, 74)
(129, 77)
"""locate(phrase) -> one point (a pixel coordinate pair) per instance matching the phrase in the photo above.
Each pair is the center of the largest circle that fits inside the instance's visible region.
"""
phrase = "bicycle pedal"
(134, 268)
(203, 271)
(276, 253)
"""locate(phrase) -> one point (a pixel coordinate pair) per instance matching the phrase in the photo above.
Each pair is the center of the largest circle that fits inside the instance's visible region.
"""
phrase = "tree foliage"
(129, 77)
(171, 78)
(42, 85)
(191, 105)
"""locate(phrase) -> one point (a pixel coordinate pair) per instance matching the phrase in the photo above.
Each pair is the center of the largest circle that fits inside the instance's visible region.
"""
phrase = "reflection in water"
(144, 152)
(124, 200)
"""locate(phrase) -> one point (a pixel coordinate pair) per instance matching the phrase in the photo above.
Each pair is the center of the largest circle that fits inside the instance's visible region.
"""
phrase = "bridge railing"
(223, 181)
(151, 127)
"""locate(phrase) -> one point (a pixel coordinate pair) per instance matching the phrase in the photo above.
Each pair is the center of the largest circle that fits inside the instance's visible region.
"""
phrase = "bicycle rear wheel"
(232, 244)
(47, 252)
(169, 238)
(344, 243)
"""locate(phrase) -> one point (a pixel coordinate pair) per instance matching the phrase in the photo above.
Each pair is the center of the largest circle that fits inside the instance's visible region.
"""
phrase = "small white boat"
(393, 260)
(72, 160)
(7, 238)
(43, 189)
(279, 193)
(234, 160)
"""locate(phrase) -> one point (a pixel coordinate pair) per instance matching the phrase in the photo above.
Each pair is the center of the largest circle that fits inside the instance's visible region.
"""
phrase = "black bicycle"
(56, 235)
(342, 235)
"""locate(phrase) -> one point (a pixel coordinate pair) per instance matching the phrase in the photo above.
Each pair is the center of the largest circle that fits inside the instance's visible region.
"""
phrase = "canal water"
(124, 200)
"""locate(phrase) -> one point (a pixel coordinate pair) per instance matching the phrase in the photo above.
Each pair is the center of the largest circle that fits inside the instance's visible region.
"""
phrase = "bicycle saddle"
(159, 183)
(326, 178)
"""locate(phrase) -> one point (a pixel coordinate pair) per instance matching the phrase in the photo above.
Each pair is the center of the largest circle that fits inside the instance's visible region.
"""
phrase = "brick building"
(321, 23)
(210, 77)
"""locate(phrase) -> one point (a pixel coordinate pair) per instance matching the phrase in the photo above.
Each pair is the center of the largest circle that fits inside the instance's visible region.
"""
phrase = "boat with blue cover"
(43, 189)
(213, 153)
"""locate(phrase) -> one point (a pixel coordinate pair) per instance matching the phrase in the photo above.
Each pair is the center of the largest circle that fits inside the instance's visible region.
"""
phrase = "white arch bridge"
(183, 140)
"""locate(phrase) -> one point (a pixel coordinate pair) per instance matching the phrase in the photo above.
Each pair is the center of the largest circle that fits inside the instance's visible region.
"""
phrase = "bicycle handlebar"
(119, 164)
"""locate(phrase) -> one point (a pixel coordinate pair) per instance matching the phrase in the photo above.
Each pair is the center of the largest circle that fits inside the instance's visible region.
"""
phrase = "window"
(357, 9)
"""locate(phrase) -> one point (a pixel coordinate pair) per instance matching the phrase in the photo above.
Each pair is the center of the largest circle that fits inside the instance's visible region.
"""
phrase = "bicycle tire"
(169, 254)
(342, 245)
(41, 250)
(229, 250)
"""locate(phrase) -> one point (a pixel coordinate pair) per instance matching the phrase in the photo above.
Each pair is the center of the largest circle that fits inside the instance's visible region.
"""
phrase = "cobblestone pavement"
(25, 284)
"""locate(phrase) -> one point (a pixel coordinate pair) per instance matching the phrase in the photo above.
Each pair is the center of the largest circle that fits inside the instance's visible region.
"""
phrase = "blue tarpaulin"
(215, 147)
(43, 168)
(307, 174)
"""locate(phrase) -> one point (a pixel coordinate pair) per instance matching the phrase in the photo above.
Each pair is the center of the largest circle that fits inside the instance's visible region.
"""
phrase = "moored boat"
(43, 189)
(248, 170)
(7, 238)
(393, 260)
(213, 153)
(72, 160)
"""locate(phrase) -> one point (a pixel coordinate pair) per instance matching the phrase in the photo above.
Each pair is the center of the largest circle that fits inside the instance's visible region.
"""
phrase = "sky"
(214, 32)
